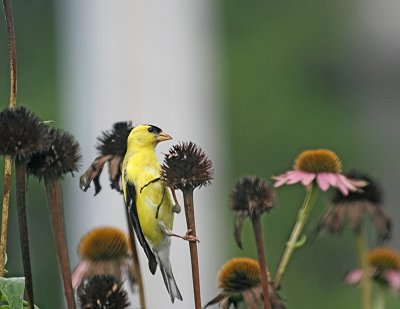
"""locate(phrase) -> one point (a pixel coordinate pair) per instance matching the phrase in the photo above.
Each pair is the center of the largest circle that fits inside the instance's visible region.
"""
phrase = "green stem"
(366, 283)
(258, 233)
(302, 218)
(379, 299)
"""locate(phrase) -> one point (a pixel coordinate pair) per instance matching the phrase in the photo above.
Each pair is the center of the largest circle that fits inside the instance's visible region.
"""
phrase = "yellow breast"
(142, 169)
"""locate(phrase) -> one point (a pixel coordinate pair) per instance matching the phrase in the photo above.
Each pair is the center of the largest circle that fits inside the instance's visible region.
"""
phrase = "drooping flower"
(112, 148)
(384, 268)
(104, 251)
(103, 292)
(239, 280)
(355, 207)
(320, 165)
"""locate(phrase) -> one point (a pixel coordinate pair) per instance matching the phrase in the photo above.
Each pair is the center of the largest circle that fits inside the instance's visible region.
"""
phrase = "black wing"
(135, 224)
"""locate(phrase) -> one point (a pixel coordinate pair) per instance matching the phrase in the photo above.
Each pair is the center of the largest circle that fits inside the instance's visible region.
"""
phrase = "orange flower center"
(104, 243)
(318, 161)
(384, 258)
(239, 274)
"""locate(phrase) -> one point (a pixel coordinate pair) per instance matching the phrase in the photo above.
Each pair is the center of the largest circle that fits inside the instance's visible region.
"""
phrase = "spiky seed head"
(186, 165)
(239, 274)
(104, 243)
(62, 156)
(103, 292)
(252, 196)
(318, 161)
(371, 193)
(114, 141)
(22, 133)
(384, 258)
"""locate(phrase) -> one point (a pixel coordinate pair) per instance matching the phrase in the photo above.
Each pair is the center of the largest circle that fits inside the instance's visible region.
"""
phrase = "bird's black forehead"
(155, 129)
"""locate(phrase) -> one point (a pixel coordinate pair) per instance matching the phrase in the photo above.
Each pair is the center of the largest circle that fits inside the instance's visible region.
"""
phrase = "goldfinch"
(149, 202)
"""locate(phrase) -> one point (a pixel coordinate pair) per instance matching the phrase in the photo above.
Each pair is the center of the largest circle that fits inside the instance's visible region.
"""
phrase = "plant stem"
(20, 181)
(4, 213)
(194, 257)
(366, 283)
(379, 299)
(54, 203)
(137, 270)
(12, 52)
(302, 218)
(8, 159)
(258, 233)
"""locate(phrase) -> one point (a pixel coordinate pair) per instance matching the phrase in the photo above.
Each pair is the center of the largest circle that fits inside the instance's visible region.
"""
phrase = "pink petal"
(295, 176)
(342, 179)
(307, 179)
(78, 273)
(323, 181)
(343, 185)
(393, 279)
(332, 179)
(280, 180)
(354, 276)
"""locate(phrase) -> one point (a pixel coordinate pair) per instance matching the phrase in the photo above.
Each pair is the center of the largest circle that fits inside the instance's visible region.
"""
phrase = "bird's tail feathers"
(168, 277)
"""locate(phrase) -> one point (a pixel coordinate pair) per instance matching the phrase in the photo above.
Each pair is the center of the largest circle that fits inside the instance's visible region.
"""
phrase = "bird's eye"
(150, 129)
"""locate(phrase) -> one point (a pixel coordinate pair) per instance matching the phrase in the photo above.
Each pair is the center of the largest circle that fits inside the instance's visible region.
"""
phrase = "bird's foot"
(189, 237)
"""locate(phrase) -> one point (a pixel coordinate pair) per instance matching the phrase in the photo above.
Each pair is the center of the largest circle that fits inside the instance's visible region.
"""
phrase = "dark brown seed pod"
(103, 292)
(186, 165)
(22, 133)
(62, 156)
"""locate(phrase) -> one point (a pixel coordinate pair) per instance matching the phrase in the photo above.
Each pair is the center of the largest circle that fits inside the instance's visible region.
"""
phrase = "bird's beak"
(163, 137)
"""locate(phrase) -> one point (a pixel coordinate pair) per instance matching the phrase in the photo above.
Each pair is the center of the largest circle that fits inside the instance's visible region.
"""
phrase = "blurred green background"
(288, 86)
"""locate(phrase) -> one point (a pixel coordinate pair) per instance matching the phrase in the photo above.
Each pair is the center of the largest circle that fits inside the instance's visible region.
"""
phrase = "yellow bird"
(149, 202)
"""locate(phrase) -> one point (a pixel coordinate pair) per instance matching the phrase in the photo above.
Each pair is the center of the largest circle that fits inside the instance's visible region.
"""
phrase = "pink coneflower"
(323, 166)
(384, 268)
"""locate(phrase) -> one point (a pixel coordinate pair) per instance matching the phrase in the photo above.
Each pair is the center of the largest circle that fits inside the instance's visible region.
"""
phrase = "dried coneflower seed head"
(239, 274)
(371, 192)
(114, 142)
(186, 165)
(318, 161)
(62, 156)
(103, 292)
(252, 196)
(22, 133)
(112, 147)
(384, 258)
(104, 243)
